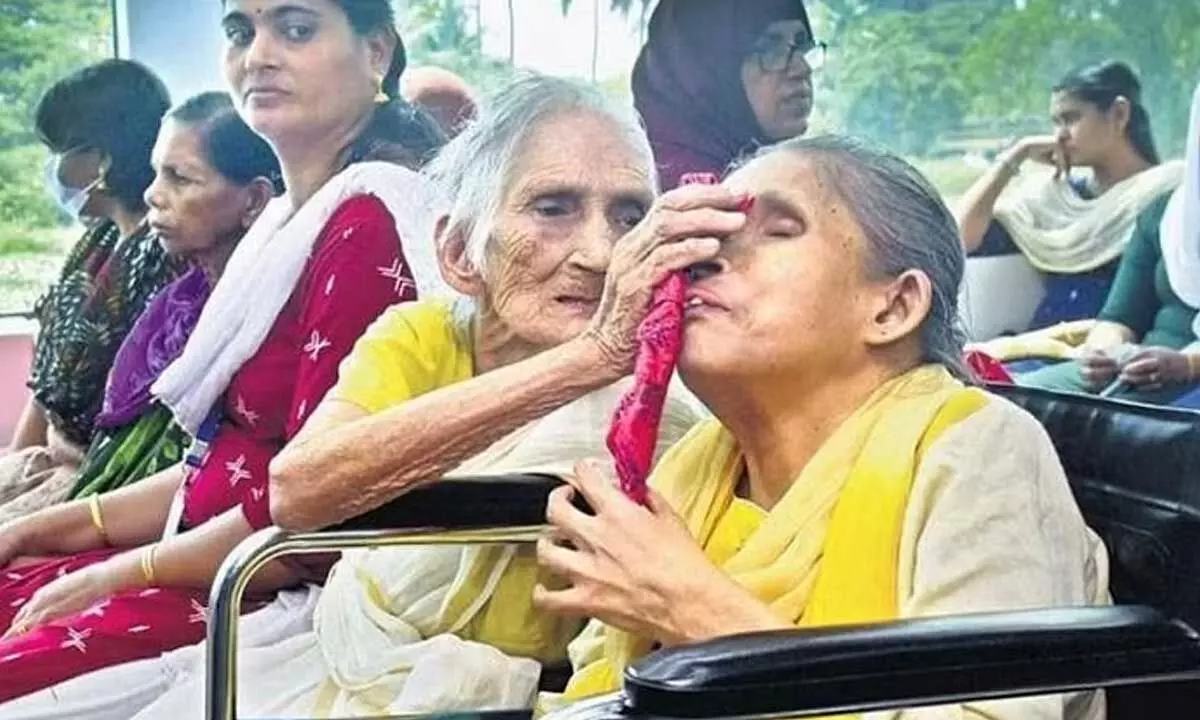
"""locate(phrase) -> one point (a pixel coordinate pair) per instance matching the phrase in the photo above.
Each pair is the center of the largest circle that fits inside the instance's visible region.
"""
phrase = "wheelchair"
(1134, 470)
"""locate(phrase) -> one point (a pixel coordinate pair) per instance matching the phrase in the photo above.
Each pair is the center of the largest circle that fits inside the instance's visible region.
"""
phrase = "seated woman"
(716, 79)
(848, 475)
(213, 176)
(126, 575)
(99, 125)
(1145, 345)
(1073, 229)
(514, 379)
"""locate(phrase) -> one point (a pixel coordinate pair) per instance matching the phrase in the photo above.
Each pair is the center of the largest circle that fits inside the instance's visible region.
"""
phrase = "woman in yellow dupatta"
(848, 475)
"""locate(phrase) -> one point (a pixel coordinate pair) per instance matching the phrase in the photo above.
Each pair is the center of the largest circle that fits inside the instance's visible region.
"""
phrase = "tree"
(437, 32)
(908, 71)
(1026, 50)
(621, 6)
(40, 41)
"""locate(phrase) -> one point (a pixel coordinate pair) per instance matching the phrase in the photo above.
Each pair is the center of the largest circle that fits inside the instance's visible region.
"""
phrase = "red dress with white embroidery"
(356, 271)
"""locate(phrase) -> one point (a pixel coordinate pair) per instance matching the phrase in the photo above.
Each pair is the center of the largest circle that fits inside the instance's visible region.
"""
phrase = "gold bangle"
(1193, 371)
(98, 517)
(148, 564)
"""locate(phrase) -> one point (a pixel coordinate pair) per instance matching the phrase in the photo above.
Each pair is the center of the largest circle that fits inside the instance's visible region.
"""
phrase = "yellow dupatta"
(383, 609)
(828, 553)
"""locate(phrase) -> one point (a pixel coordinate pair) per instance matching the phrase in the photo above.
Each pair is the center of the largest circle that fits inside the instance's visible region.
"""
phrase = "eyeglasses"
(776, 56)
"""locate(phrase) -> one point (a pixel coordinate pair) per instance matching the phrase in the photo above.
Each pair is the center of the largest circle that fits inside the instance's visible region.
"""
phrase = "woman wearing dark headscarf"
(717, 78)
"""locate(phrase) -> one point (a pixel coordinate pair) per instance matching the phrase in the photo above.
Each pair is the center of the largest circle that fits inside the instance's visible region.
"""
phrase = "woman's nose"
(152, 196)
(261, 52)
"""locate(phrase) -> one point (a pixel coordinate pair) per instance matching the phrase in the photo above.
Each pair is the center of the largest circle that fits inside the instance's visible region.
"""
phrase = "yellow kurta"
(908, 510)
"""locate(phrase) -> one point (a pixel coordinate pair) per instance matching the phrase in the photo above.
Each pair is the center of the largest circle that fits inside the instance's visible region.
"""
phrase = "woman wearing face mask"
(717, 79)
(1073, 228)
(213, 176)
(99, 125)
(130, 572)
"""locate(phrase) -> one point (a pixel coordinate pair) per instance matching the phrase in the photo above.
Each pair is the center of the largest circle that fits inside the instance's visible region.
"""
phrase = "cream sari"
(430, 628)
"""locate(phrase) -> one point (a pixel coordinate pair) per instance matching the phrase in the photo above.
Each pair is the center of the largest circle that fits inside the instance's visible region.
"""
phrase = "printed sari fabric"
(136, 437)
(105, 285)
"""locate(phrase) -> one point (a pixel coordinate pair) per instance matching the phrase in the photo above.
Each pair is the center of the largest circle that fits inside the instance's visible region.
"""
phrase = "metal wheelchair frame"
(271, 544)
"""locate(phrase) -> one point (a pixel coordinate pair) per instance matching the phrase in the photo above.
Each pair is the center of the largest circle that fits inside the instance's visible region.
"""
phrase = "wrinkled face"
(778, 81)
(789, 296)
(576, 187)
(1088, 133)
(192, 206)
(297, 69)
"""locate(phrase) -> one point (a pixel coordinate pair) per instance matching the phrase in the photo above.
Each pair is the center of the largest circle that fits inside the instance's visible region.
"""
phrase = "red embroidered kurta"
(356, 271)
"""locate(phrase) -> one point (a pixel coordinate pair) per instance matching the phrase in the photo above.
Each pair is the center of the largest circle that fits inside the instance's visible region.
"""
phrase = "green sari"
(130, 453)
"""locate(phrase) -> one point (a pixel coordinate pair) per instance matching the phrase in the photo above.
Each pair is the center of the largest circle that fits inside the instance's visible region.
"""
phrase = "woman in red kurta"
(356, 272)
(94, 583)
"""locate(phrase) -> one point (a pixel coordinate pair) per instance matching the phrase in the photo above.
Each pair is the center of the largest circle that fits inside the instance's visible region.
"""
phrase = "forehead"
(782, 30)
(1064, 102)
(254, 8)
(580, 148)
(793, 179)
(179, 142)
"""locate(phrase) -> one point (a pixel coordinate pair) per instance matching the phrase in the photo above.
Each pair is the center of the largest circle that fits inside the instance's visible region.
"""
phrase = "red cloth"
(987, 369)
(633, 434)
(355, 272)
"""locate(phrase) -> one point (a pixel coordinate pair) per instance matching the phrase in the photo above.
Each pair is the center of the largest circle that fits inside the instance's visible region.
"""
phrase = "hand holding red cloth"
(634, 431)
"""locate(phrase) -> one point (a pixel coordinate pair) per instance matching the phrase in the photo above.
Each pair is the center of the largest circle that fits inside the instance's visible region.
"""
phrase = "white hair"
(473, 171)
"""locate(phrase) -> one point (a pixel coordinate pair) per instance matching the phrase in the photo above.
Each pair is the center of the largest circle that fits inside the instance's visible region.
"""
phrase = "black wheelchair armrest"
(912, 663)
(461, 503)
(458, 510)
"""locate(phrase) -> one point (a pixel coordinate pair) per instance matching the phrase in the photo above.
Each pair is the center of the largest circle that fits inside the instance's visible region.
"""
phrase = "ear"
(381, 46)
(899, 308)
(258, 193)
(1121, 111)
(456, 267)
(103, 167)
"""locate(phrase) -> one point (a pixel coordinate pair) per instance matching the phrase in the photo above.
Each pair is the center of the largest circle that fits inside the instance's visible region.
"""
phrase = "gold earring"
(381, 97)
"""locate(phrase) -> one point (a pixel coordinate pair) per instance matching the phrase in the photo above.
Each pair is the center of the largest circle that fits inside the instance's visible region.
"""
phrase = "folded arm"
(347, 462)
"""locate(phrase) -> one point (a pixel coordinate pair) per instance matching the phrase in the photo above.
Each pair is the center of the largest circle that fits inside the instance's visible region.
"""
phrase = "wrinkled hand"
(65, 596)
(1098, 369)
(1047, 150)
(632, 567)
(681, 229)
(1155, 367)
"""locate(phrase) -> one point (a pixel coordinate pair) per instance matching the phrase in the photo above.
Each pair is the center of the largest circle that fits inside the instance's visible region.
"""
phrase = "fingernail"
(746, 203)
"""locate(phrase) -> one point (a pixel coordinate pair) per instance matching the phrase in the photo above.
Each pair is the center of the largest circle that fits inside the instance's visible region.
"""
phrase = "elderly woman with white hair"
(849, 475)
(521, 374)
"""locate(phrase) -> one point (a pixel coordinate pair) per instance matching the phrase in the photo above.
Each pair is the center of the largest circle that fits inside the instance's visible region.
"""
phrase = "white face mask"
(70, 199)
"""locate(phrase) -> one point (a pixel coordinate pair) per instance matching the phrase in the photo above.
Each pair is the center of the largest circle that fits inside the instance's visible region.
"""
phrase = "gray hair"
(907, 227)
(473, 171)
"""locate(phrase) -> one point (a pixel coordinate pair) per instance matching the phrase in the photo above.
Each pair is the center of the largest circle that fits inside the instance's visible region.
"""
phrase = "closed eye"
(173, 175)
(629, 214)
(783, 228)
(553, 206)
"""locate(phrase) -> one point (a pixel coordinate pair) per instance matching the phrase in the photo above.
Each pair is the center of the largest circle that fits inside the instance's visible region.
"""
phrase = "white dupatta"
(1061, 232)
(383, 636)
(267, 264)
